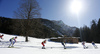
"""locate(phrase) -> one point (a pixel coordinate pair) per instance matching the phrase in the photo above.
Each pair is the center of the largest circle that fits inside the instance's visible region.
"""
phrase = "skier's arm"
(15, 40)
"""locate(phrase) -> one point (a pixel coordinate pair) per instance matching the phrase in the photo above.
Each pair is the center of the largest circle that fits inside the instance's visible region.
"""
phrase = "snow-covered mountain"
(67, 29)
(34, 47)
(59, 27)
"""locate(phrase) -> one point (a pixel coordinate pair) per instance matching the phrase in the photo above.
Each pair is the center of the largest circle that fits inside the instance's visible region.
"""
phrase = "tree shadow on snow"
(67, 47)
(38, 47)
(71, 47)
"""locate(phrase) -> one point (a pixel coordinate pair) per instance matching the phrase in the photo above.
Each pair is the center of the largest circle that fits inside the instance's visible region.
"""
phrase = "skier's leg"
(84, 46)
(10, 43)
(43, 47)
(13, 44)
(64, 47)
(95, 46)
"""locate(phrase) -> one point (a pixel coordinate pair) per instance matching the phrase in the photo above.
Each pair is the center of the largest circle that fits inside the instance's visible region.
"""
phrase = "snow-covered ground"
(34, 47)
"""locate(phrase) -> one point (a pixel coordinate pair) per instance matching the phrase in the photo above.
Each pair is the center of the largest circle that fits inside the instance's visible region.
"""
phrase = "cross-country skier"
(12, 41)
(43, 44)
(83, 43)
(93, 43)
(63, 43)
(1, 35)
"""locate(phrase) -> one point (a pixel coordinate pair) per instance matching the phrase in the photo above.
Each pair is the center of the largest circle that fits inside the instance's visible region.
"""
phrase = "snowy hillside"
(34, 47)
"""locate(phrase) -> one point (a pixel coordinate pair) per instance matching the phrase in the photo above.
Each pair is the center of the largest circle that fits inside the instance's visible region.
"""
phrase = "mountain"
(65, 29)
(59, 27)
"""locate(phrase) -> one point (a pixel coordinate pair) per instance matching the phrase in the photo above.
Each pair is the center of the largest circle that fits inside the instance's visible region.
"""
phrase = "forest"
(89, 34)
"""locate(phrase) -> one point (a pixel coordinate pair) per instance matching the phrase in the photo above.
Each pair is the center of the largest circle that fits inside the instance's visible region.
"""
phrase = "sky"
(72, 12)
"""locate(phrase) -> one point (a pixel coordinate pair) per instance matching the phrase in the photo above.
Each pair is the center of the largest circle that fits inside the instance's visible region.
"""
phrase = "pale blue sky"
(59, 10)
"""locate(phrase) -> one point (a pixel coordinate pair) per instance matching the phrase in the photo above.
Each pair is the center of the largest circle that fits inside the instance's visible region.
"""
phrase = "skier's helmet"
(15, 37)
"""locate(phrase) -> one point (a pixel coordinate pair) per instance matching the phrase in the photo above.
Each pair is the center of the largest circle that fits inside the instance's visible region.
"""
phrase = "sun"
(76, 6)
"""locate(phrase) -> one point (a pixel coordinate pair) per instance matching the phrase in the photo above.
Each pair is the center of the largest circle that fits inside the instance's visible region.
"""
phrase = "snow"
(34, 47)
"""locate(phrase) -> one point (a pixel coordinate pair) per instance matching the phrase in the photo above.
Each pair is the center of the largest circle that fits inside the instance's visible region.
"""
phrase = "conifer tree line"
(89, 34)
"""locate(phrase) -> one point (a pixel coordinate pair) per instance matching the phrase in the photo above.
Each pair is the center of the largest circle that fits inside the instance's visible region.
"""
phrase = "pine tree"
(94, 31)
(98, 31)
